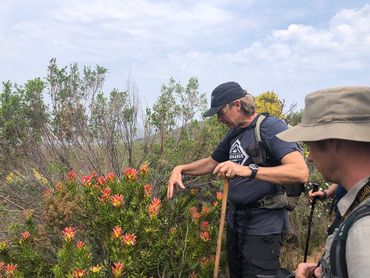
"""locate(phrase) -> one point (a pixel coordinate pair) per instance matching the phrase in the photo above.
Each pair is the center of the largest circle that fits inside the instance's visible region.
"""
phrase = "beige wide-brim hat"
(335, 113)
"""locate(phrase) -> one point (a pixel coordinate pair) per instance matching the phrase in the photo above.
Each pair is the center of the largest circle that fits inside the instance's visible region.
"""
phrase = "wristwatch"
(254, 168)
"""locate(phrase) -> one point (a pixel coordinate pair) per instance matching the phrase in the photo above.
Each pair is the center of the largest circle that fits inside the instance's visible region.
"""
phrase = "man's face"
(228, 115)
(321, 154)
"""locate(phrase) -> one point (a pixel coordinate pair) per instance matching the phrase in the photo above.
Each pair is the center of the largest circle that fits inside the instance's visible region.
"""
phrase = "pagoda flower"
(10, 269)
(204, 226)
(69, 233)
(96, 268)
(154, 207)
(205, 210)
(117, 269)
(86, 181)
(25, 235)
(101, 180)
(117, 231)
(195, 216)
(204, 236)
(144, 169)
(105, 194)
(117, 200)
(78, 273)
(129, 239)
(71, 175)
(215, 204)
(111, 176)
(192, 210)
(130, 174)
(219, 196)
(148, 190)
(80, 244)
(93, 174)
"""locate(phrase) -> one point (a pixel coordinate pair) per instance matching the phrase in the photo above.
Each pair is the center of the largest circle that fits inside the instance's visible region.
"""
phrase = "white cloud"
(214, 40)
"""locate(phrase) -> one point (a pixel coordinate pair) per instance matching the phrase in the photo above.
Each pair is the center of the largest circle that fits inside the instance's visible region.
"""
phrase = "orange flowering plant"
(124, 226)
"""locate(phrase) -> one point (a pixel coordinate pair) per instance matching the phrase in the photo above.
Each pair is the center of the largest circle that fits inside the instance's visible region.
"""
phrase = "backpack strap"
(257, 129)
(338, 264)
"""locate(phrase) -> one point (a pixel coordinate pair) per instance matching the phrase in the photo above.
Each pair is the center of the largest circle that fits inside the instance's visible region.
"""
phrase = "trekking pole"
(315, 187)
(221, 227)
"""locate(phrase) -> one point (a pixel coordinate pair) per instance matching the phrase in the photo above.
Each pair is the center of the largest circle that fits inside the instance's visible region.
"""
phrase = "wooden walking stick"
(221, 227)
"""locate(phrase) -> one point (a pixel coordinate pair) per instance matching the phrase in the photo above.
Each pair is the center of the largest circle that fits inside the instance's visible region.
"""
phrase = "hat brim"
(359, 131)
(213, 110)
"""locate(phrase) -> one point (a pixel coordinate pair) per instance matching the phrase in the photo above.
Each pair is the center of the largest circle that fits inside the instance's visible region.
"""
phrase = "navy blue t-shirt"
(244, 191)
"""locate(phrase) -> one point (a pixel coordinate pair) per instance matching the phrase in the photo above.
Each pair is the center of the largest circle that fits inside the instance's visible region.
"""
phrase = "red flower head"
(195, 216)
(204, 226)
(117, 269)
(101, 180)
(105, 194)
(192, 210)
(111, 176)
(10, 268)
(129, 239)
(148, 190)
(69, 233)
(205, 236)
(86, 181)
(71, 175)
(25, 235)
(219, 196)
(130, 174)
(80, 244)
(154, 207)
(215, 204)
(78, 273)
(144, 169)
(117, 200)
(117, 231)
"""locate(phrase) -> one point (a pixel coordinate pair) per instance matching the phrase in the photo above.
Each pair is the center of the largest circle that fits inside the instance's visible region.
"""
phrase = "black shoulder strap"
(338, 263)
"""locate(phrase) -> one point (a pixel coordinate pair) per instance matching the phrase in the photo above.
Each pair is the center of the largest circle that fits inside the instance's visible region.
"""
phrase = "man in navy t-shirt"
(255, 172)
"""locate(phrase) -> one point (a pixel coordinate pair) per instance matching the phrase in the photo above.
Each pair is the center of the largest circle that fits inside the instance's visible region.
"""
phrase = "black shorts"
(251, 256)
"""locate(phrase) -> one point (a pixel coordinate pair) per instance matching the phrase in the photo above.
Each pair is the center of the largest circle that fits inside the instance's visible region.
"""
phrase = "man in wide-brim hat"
(336, 127)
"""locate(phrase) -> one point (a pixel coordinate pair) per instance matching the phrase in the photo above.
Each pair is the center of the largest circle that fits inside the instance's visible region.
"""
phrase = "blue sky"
(290, 47)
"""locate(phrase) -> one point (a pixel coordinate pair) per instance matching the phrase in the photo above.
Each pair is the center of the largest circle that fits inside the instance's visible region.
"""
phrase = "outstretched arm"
(196, 168)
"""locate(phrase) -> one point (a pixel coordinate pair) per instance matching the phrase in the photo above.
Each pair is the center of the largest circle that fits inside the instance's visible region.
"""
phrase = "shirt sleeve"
(221, 153)
(357, 248)
(276, 147)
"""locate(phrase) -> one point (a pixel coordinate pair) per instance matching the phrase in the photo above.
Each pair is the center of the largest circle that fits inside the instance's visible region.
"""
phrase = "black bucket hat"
(222, 95)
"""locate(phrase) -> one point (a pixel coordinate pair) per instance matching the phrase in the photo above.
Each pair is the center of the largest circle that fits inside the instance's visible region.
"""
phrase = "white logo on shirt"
(237, 153)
